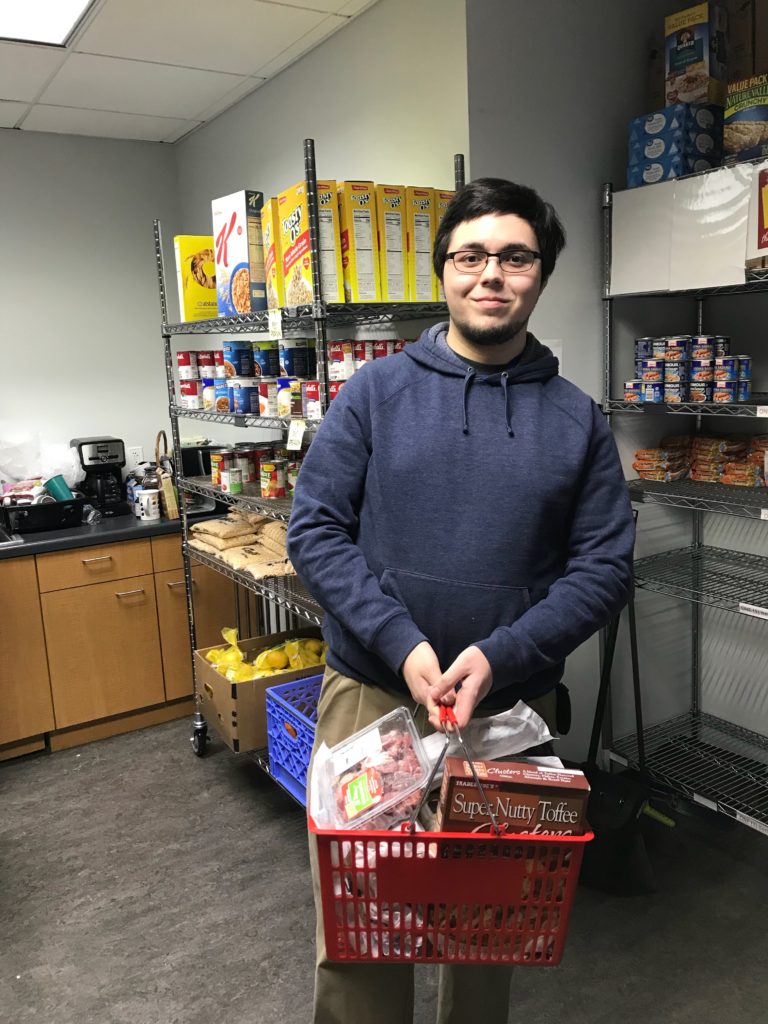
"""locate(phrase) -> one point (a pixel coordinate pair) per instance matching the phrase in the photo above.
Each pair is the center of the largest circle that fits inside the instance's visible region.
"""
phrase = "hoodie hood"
(535, 365)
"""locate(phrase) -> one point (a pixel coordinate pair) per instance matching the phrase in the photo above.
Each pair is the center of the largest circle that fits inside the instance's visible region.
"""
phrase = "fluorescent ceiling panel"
(40, 21)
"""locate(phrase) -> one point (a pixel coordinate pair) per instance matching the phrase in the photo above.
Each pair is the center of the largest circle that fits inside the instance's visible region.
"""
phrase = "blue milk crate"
(291, 718)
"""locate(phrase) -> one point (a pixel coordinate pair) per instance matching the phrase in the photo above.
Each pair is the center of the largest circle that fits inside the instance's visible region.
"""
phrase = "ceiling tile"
(10, 113)
(349, 8)
(179, 133)
(135, 87)
(102, 123)
(311, 39)
(191, 33)
(24, 70)
(226, 100)
(329, 6)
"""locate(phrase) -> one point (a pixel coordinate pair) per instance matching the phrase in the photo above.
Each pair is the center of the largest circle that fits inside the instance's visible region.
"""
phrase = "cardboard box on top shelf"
(240, 283)
(741, 38)
(294, 242)
(196, 276)
(696, 54)
(687, 129)
(237, 711)
(745, 133)
(273, 254)
(359, 241)
(392, 242)
(420, 227)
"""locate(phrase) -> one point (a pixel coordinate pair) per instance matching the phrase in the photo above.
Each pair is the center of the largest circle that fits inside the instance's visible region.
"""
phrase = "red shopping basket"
(439, 897)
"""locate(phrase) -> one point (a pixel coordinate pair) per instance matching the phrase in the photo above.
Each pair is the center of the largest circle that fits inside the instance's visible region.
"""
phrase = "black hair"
(498, 196)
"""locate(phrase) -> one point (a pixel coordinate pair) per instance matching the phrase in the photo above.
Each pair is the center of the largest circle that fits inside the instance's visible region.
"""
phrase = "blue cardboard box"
(667, 168)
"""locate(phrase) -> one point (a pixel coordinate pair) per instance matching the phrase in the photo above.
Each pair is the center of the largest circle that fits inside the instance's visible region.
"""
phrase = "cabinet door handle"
(128, 593)
(101, 558)
(180, 583)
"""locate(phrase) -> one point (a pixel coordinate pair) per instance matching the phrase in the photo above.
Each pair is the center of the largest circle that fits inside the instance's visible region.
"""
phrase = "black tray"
(53, 515)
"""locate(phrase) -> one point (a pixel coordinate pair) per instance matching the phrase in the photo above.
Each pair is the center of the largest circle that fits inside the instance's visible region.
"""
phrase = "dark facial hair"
(489, 337)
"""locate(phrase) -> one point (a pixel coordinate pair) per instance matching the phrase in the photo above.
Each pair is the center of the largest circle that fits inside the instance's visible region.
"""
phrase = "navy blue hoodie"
(437, 503)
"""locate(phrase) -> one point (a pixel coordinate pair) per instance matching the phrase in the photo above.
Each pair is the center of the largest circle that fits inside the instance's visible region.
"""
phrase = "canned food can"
(726, 368)
(266, 359)
(273, 478)
(745, 367)
(675, 371)
(247, 461)
(231, 481)
(703, 346)
(653, 391)
(722, 345)
(652, 370)
(659, 348)
(341, 360)
(311, 408)
(219, 369)
(702, 370)
(644, 348)
(221, 459)
(678, 346)
(633, 391)
(398, 345)
(700, 391)
(724, 391)
(284, 395)
(244, 396)
(743, 390)
(209, 392)
(221, 395)
(205, 363)
(267, 397)
(187, 364)
(291, 476)
(334, 387)
(675, 393)
(191, 392)
(238, 359)
(363, 353)
(383, 348)
(293, 357)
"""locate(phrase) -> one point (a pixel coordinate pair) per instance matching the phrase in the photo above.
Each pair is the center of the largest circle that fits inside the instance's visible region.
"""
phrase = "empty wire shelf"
(731, 580)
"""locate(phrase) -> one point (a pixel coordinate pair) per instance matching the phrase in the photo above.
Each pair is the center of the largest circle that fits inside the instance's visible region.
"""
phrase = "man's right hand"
(421, 670)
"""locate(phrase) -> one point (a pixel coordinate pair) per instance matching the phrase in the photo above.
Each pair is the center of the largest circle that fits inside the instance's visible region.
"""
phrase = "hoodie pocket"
(454, 615)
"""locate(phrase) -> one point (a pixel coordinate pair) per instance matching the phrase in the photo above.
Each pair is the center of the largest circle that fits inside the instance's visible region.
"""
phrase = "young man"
(463, 520)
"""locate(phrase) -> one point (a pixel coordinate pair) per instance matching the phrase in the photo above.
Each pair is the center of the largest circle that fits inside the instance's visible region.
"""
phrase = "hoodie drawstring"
(465, 402)
(507, 410)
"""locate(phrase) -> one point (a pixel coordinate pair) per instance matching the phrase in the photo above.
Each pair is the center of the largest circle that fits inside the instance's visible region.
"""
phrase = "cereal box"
(273, 259)
(441, 204)
(240, 283)
(392, 242)
(293, 218)
(420, 228)
(695, 54)
(745, 134)
(359, 241)
(196, 276)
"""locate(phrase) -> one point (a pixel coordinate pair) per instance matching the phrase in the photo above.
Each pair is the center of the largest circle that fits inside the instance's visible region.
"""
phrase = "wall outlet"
(134, 456)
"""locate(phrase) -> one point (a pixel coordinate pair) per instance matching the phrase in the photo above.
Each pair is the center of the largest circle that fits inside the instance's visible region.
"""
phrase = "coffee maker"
(102, 458)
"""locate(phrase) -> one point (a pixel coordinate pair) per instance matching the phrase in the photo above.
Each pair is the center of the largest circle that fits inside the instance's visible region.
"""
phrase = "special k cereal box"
(359, 241)
(420, 228)
(196, 276)
(240, 283)
(293, 219)
(273, 260)
(392, 242)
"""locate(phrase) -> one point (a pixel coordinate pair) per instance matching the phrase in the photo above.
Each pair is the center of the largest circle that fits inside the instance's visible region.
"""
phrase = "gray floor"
(140, 884)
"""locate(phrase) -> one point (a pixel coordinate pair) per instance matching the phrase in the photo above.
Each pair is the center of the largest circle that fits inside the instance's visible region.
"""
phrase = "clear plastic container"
(374, 779)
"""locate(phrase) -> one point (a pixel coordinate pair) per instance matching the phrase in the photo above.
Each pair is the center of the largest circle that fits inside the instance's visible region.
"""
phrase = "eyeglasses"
(474, 261)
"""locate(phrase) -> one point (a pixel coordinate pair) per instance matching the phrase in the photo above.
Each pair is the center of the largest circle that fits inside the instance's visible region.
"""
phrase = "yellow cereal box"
(392, 242)
(420, 228)
(294, 244)
(196, 276)
(273, 260)
(441, 204)
(359, 241)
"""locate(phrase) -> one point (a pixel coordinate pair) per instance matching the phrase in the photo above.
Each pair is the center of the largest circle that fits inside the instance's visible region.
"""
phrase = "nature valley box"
(745, 132)
(293, 217)
(240, 284)
(196, 276)
(273, 260)
(392, 242)
(420, 229)
(359, 241)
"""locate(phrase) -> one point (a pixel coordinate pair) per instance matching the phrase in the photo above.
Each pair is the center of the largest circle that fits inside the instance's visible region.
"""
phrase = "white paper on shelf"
(709, 229)
(754, 249)
(641, 236)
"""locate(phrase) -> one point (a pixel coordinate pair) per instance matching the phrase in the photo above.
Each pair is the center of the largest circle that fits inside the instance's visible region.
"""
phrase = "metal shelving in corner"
(274, 508)
(756, 407)
(731, 580)
(748, 502)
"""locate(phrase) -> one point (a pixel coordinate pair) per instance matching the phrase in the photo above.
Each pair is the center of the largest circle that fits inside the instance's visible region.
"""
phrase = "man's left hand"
(472, 671)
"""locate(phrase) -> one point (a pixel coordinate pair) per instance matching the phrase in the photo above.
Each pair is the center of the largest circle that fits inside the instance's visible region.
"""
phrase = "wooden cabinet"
(26, 708)
(83, 566)
(166, 553)
(103, 648)
(214, 602)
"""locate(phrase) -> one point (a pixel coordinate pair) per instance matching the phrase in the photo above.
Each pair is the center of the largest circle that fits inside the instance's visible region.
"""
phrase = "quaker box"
(745, 134)
(695, 54)
(237, 711)
(240, 280)
(525, 797)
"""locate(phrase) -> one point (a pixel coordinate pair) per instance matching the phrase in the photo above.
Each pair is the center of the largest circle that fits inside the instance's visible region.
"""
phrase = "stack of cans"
(688, 368)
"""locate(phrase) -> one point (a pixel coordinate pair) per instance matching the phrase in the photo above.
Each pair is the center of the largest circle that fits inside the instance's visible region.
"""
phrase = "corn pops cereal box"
(441, 204)
(240, 283)
(420, 229)
(359, 241)
(273, 260)
(196, 276)
(392, 242)
(293, 217)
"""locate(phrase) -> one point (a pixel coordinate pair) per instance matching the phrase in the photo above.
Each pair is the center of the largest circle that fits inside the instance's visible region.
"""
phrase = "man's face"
(490, 308)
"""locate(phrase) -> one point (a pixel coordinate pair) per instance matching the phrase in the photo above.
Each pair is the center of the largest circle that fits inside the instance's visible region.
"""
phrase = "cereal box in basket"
(196, 276)
(273, 255)
(294, 243)
(240, 282)
(359, 241)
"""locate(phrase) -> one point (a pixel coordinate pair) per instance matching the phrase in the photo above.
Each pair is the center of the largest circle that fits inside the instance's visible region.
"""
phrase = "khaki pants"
(383, 993)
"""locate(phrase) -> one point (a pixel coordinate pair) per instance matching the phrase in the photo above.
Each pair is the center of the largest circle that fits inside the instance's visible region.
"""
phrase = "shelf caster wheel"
(199, 739)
